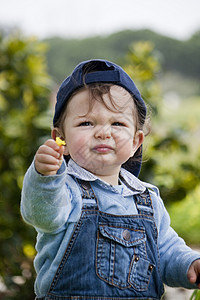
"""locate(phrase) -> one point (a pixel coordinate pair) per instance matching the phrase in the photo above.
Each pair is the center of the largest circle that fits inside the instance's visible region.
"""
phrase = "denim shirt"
(52, 204)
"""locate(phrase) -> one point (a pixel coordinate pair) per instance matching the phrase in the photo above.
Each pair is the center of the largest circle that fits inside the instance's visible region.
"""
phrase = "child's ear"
(138, 140)
(55, 132)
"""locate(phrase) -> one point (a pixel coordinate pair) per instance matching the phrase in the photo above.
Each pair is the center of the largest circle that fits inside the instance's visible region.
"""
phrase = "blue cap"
(100, 71)
(96, 71)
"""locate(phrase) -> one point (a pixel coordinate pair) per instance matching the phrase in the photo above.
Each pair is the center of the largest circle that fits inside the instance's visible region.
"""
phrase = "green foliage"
(195, 295)
(176, 149)
(186, 213)
(143, 66)
(24, 92)
(172, 161)
(185, 175)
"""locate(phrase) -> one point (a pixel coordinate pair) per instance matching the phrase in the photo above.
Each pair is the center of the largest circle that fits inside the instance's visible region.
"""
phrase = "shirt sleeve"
(175, 256)
(46, 200)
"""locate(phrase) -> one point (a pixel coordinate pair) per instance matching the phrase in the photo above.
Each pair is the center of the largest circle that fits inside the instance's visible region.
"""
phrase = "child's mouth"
(102, 148)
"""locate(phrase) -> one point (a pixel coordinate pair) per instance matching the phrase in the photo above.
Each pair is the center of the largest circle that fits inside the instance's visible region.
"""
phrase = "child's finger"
(48, 159)
(47, 169)
(61, 150)
(49, 150)
(191, 274)
(52, 144)
(58, 146)
(194, 273)
(46, 164)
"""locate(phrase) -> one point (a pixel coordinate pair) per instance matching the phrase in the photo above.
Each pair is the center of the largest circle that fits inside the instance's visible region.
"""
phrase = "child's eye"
(86, 123)
(117, 124)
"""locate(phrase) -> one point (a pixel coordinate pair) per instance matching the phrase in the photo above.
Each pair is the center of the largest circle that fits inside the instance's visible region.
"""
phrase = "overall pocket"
(121, 256)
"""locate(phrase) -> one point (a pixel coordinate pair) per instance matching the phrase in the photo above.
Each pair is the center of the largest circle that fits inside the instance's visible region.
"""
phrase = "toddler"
(101, 232)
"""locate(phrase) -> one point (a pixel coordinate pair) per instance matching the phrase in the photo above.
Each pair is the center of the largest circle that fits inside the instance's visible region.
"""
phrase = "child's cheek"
(79, 149)
(123, 138)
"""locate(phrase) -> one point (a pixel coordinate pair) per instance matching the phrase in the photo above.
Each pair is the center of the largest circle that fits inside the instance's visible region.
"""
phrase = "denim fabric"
(110, 256)
(53, 205)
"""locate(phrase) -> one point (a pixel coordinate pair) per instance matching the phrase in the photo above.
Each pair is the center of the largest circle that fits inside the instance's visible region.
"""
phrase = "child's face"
(100, 139)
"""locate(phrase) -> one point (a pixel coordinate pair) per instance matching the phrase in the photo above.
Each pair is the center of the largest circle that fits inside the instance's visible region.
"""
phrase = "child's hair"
(96, 91)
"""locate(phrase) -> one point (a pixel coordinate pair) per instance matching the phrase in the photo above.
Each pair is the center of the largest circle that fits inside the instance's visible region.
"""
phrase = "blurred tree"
(177, 57)
(142, 64)
(187, 212)
(172, 162)
(24, 102)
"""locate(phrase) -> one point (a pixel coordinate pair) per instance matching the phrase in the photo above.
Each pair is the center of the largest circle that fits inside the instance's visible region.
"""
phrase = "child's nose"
(103, 132)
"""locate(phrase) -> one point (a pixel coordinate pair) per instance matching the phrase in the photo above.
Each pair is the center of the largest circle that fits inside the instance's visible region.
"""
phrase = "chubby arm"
(179, 264)
(46, 201)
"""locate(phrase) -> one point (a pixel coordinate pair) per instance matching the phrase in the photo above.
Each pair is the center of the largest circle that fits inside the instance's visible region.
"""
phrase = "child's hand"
(48, 158)
(194, 273)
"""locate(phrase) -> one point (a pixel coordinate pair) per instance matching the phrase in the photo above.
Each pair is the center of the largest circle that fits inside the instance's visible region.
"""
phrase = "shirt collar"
(132, 185)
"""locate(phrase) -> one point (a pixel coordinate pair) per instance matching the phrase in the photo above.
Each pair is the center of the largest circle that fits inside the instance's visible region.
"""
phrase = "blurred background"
(158, 44)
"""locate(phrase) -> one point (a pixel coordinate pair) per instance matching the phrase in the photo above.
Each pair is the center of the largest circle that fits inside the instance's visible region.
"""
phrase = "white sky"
(82, 18)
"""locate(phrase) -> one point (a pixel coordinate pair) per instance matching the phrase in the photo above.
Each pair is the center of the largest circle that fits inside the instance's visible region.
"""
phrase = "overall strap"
(144, 203)
(88, 195)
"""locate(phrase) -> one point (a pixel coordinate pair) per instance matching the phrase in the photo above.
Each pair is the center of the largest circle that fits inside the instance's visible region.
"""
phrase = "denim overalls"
(110, 256)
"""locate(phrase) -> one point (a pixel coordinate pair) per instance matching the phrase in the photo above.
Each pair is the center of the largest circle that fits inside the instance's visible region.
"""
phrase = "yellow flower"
(60, 142)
